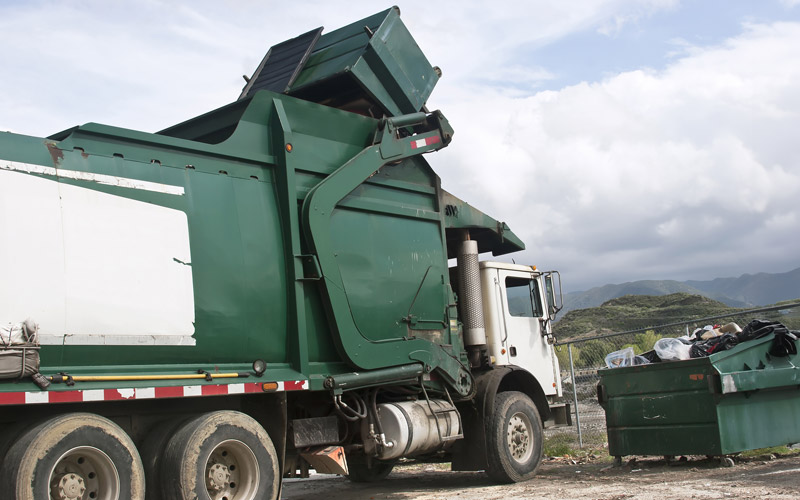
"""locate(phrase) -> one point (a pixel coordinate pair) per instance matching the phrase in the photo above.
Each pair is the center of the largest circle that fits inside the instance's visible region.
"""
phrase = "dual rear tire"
(73, 456)
(79, 456)
(220, 455)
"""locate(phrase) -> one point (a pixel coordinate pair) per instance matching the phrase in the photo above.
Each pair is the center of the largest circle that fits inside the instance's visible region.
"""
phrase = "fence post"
(575, 395)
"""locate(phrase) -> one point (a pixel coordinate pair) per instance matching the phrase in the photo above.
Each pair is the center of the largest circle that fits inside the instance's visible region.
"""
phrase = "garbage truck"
(275, 286)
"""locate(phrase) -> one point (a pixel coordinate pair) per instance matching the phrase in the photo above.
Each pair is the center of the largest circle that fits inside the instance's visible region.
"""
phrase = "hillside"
(748, 290)
(753, 289)
(637, 311)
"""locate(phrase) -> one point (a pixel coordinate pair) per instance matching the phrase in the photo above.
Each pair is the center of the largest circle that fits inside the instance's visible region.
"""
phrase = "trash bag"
(672, 349)
(624, 357)
(758, 328)
(784, 343)
(651, 356)
(713, 345)
(785, 340)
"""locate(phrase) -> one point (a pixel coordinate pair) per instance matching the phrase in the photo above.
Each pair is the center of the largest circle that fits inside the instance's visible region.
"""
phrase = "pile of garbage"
(707, 341)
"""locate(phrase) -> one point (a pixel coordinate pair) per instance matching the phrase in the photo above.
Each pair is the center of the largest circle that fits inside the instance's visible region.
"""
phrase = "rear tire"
(359, 470)
(152, 449)
(220, 455)
(515, 439)
(74, 455)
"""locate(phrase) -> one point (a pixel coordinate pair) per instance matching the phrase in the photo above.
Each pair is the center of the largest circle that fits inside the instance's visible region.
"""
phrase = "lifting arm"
(390, 145)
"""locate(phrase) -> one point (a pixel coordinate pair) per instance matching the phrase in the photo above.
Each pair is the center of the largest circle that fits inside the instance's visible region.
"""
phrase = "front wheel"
(515, 439)
(73, 456)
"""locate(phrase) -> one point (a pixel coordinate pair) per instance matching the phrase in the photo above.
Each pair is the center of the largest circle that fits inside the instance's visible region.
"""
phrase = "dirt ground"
(647, 478)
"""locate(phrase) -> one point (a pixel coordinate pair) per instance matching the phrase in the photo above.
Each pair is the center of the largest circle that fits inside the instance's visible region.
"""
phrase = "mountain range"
(748, 290)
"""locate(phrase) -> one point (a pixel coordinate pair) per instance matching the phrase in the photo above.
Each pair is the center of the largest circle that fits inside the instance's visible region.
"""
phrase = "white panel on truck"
(91, 267)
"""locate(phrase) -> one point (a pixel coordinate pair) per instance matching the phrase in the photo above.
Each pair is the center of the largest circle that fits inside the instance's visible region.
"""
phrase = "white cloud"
(646, 174)
(615, 24)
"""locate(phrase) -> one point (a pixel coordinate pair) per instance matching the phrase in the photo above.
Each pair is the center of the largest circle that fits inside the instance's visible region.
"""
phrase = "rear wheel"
(73, 456)
(152, 450)
(223, 455)
(362, 470)
(515, 439)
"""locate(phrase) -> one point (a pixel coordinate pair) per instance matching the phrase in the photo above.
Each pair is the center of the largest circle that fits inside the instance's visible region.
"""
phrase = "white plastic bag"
(672, 350)
(620, 358)
(624, 357)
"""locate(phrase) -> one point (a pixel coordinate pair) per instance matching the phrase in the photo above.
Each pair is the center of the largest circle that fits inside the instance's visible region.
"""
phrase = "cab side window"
(523, 298)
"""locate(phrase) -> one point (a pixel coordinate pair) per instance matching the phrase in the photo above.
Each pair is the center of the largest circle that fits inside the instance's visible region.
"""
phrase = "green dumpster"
(731, 401)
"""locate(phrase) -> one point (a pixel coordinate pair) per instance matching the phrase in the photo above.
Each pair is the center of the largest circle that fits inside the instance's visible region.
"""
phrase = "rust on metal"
(56, 153)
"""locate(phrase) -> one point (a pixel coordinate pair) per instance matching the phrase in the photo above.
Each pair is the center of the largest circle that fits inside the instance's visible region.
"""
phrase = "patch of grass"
(558, 448)
(566, 445)
(781, 451)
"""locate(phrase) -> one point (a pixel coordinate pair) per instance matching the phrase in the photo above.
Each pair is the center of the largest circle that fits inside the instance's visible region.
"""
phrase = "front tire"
(515, 439)
(77, 455)
(220, 455)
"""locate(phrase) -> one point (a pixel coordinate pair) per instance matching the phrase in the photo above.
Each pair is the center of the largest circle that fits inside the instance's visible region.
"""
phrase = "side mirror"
(555, 301)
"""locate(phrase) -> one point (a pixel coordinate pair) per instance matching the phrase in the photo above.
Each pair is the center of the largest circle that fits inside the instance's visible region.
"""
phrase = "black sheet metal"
(282, 64)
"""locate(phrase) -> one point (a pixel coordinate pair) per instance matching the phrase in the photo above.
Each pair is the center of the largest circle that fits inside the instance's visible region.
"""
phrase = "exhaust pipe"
(471, 302)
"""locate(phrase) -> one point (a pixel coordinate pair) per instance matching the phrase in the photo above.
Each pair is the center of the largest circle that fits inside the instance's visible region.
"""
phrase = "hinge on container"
(410, 319)
(311, 269)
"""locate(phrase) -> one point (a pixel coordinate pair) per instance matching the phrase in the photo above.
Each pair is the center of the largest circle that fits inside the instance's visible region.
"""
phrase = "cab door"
(524, 315)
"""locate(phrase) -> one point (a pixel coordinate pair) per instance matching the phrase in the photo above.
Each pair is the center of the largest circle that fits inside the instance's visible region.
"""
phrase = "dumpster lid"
(282, 64)
(372, 67)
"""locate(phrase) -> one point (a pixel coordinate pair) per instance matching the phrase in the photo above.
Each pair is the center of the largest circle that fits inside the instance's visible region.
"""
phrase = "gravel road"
(647, 479)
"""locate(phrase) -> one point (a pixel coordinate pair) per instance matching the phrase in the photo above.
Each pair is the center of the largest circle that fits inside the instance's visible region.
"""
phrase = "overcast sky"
(620, 139)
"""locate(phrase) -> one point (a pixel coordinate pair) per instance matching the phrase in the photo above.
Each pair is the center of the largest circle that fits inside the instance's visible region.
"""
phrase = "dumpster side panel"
(759, 419)
(673, 440)
(660, 409)
(673, 408)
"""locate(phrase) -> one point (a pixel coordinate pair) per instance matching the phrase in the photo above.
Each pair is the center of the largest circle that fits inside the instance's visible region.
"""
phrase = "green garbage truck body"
(263, 289)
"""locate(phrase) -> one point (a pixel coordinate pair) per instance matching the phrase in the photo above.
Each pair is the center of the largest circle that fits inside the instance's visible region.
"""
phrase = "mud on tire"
(220, 455)
(515, 439)
(73, 455)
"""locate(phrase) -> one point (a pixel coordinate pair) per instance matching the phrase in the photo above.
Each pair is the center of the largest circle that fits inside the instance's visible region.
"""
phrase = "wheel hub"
(84, 473)
(232, 472)
(519, 437)
(218, 477)
(69, 487)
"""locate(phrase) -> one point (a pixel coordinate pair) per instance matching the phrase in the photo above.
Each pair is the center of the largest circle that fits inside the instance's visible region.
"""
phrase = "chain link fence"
(581, 358)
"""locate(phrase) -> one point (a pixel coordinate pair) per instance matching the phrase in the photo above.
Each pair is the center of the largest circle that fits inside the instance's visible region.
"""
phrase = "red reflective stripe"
(71, 396)
(214, 390)
(66, 396)
(293, 385)
(421, 143)
(12, 398)
(112, 395)
(169, 392)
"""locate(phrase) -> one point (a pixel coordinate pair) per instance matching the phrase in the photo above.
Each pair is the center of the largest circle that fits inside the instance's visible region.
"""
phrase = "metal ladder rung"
(436, 413)
(458, 417)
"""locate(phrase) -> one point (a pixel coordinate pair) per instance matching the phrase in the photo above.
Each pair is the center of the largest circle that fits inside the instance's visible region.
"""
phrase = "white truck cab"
(519, 303)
